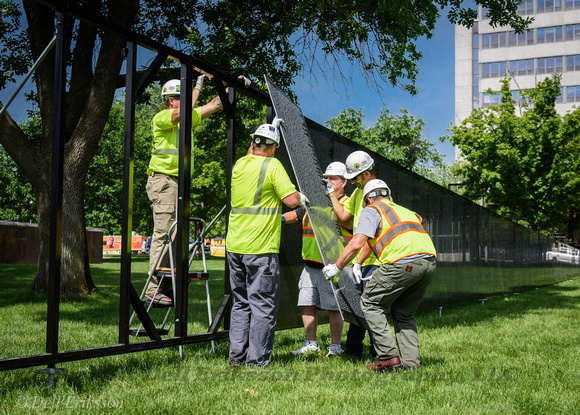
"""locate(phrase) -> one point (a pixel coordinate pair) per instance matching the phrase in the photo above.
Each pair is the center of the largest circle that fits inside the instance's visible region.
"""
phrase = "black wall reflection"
(479, 252)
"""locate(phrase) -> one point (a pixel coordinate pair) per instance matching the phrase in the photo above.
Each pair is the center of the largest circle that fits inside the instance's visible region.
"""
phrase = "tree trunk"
(88, 102)
(76, 279)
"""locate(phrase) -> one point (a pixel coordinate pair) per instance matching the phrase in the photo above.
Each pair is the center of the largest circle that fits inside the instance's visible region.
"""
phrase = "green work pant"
(397, 289)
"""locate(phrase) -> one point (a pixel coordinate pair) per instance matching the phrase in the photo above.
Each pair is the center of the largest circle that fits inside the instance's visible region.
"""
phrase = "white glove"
(303, 200)
(330, 271)
(329, 188)
(245, 80)
(357, 272)
(200, 82)
(277, 121)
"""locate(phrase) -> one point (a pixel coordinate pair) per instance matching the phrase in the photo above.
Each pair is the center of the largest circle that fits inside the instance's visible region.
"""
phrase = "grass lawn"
(516, 354)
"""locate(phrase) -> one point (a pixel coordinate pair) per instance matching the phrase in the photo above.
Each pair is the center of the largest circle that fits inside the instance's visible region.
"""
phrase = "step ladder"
(196, 248)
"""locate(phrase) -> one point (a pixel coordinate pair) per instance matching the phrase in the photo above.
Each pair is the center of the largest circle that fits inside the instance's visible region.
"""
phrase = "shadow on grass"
(562, 295)
(101, 308)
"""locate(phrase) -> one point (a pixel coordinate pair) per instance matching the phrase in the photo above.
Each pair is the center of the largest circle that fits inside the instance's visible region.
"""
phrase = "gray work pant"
(397, 289)
(255, 283)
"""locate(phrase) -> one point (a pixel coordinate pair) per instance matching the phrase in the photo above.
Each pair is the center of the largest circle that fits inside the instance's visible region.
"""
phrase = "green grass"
(513, 355)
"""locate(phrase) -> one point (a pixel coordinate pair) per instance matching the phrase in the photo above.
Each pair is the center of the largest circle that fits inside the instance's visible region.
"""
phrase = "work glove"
(200, 82)
(329, 188)
(303, 200)
(330, 271)
(277, 121)
(357, 272)
(245, 80)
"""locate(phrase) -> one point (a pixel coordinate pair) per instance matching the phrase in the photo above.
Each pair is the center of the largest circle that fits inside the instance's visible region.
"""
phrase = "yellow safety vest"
(310, 251)
(402, 234)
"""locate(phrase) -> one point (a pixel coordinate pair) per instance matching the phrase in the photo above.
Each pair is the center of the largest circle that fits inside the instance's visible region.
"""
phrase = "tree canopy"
(527, 159)
(396, 137)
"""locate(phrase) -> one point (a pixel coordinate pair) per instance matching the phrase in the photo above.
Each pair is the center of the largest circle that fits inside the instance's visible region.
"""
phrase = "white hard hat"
(268, 133)
(336, 168)
(356, 163)
(375, 188)
(171, 87)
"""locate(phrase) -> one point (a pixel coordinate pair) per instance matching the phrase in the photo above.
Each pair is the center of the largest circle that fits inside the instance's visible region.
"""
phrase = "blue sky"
(435, 103)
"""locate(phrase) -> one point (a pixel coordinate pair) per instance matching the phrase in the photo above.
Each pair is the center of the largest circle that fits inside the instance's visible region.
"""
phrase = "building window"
(494, 40)
(494, 69)
(550, 34)
(572, 4)
(522, 67)
(573, 93)
(550, 65)
(548, 6)
(573, 63)
(526, 7)
(521, 39)
(573, 32)
(560, 97)
(490, 99)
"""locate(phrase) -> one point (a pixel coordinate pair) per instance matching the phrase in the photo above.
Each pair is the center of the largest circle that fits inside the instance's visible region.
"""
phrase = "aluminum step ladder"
(195, 249)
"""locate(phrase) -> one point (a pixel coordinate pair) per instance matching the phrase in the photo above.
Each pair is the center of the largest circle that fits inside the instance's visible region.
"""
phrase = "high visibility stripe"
(256, 209)
(166, 151)
(394, 232)
(396, 227)
(261, 178)
(253, 210)
(392, 217)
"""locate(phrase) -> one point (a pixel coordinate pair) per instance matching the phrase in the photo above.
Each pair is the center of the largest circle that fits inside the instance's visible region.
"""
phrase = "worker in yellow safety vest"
(408, 260)
(259, 186)
(162, 181)
(314, 291)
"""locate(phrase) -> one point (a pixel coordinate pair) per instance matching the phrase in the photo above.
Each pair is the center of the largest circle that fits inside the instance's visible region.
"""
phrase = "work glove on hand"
(329, 271)
(277, 121)
(329, 188)
(357, 272)
(200, 82)
(303, 200)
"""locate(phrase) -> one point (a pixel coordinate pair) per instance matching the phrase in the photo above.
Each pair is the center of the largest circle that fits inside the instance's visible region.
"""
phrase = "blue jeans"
(356, 335)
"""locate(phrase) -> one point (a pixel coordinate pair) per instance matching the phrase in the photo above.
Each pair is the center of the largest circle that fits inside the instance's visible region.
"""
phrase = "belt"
(155, 173)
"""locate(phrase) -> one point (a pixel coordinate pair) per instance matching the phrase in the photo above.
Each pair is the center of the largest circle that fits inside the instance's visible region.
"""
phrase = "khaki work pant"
(397, 289)
(162, 192)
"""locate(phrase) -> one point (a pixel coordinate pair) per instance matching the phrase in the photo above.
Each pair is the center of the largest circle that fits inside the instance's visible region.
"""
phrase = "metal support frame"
(135, 84)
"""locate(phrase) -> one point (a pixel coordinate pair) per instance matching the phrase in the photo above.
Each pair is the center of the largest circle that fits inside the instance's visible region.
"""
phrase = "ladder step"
(146, 303)
(164, 274)
(143, 332)
(198, 276)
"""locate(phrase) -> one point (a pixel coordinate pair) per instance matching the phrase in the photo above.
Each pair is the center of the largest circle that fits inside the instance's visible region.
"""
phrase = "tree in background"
(527, 160)
(396, 137)
(275, 38)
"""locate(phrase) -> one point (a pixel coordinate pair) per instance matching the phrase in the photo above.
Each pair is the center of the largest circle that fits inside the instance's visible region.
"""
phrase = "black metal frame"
(135, 85)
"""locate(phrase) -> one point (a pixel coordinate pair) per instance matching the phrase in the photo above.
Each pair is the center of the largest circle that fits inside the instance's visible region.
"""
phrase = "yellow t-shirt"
(258, 186)
(165, 154)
